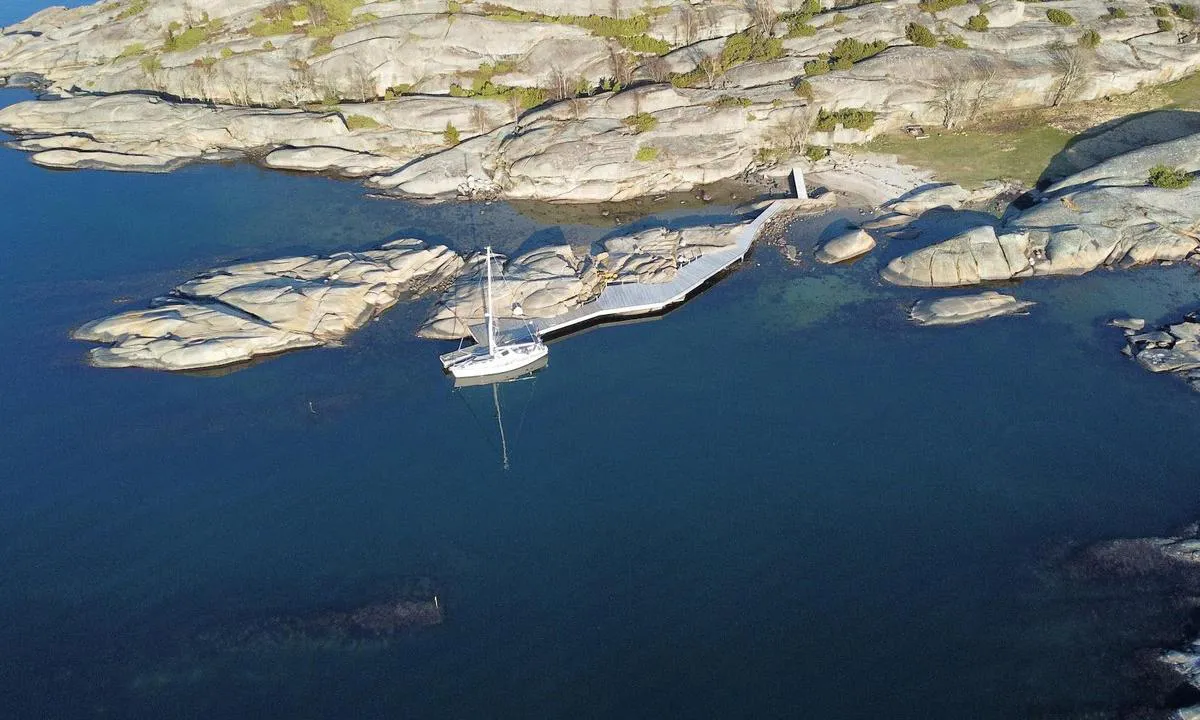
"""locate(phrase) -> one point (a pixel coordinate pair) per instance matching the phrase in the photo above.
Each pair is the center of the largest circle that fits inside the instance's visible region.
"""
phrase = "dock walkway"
(631, 299)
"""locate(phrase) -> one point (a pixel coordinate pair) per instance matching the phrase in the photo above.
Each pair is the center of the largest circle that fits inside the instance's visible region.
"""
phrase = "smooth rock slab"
(846, 247)
(963, 309)
(239, 312)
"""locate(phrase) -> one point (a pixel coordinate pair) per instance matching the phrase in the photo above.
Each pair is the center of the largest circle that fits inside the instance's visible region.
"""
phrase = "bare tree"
(711, 67)
(514, 106)
(479, 119)
(578, 107)
(362, 83)
(658, 69)
(789, 134)
(986, 90)
(952, 98)
(622, 66)
(560, 85)
(1074, 62)
(763, 15)
(689, 23)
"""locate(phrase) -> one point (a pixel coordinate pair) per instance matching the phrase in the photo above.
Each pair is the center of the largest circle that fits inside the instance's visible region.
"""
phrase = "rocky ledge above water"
(235, 313)
(570, 100)
(238, 312)
(1172, 349)
(1105, 216)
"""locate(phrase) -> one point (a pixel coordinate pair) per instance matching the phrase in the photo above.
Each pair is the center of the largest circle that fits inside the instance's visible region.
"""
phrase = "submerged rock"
(238, 312)
(963, 309)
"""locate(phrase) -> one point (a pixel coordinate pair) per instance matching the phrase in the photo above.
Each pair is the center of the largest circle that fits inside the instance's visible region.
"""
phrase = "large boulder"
(978, 255)
(846, 246)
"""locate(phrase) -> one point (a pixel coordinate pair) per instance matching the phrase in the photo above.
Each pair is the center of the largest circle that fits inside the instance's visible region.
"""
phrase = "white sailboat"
(497, 360)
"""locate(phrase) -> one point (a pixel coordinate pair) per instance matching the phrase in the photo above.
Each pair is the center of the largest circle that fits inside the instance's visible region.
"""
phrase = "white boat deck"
(626, 299)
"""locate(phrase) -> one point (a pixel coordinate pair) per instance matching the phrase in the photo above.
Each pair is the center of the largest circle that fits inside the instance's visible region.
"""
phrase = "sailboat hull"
(519, 374)
(488, 365)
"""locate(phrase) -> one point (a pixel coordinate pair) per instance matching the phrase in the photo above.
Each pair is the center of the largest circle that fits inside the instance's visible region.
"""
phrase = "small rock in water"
(846, 246)
(966, 308)
(1134, 324)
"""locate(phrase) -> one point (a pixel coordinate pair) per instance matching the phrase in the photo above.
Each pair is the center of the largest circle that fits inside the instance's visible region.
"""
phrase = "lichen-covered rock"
(963, 309)
(238, 312)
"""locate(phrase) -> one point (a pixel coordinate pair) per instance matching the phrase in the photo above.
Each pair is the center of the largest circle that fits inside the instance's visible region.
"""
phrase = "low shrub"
(1185, 11)
(728, 101)
(803, 88)
(1060, 17)
(918, 34)
(1162, 176)
(450, 134)
(956, 42)
(1089, 39)
(820, 66)
(1165, 25)
(815, 153)
(978, 23)
(853, 118)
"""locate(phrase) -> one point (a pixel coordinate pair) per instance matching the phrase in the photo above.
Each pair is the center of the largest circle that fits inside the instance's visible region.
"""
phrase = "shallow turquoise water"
(777, 501)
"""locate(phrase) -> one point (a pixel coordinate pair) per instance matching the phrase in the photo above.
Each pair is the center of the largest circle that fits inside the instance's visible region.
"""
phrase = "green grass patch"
(137, 7)
(640, 123)
(973, 157)
(361, 122)
(1185, 93)
(646, 153)
(132, 50)
(932, 6)
(630, 31)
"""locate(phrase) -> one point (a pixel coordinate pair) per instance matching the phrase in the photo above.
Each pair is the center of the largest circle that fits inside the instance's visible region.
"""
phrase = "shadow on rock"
(1113, 138)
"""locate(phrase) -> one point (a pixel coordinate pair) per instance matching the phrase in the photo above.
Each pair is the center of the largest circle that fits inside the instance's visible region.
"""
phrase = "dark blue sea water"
(778, 501)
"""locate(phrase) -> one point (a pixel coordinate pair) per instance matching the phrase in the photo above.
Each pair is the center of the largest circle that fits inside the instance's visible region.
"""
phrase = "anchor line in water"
(500, 422)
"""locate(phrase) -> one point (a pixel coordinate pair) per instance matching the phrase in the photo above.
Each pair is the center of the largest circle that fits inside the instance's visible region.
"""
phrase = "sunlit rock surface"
(963, 309)
(238, 312)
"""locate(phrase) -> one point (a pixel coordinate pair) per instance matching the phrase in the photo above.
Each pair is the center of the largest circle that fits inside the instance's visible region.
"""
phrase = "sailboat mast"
(491, 320)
